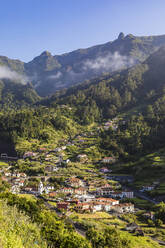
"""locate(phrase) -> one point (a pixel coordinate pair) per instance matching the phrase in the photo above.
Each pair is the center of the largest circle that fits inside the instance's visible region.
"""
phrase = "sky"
(29, 27)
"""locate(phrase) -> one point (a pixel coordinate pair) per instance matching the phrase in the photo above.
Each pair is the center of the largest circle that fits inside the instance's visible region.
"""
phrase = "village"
(73, 180)
(83, 195)
(80, 184)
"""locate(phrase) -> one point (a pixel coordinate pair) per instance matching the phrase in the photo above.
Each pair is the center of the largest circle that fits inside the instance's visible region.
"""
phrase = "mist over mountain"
(50, 73)
(114, 93)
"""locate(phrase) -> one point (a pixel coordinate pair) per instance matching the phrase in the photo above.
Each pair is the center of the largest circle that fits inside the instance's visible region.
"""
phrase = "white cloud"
(7, 73)
(56, 76)
(109, 62)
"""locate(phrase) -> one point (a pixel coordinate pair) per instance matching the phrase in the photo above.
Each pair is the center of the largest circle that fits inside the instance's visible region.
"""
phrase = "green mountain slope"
(114, 93)
(13, 94)
(50, 73)
(62, 71)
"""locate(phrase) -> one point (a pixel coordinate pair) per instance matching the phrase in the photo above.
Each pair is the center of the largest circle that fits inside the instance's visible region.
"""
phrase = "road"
(52, 208)
(143, 196)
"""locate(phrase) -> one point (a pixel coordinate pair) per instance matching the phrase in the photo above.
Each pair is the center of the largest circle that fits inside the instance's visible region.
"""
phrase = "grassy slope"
(17, 231)
(101, 220)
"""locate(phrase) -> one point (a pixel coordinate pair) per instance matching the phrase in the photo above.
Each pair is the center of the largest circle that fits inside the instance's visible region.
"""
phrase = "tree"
(158, 222)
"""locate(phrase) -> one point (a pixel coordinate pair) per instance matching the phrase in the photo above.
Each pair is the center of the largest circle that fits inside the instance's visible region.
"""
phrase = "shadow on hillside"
(7, 147)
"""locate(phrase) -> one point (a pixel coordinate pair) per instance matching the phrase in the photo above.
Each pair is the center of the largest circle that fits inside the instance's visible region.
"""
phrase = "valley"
(74, 179)
(85, 162)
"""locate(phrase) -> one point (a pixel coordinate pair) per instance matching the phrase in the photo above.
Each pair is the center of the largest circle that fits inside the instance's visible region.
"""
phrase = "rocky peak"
(121, 36)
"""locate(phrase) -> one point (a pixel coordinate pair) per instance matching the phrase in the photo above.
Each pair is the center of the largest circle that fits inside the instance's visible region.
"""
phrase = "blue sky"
(28, 27)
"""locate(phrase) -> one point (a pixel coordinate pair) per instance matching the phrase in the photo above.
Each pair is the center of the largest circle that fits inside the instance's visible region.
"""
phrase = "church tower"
(40, 188)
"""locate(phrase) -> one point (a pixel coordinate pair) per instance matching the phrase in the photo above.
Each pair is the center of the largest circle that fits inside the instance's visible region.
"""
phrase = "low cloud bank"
(111, 62)
(55, 76)
(7, 73)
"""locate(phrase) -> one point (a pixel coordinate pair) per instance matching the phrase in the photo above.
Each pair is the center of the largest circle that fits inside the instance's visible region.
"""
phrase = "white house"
(7, 174)
(128, 194)
(107, 207)
(40, 188)
(110, 201)
(82, 157)
(15, 189)
(147, 188)
(117, 194)
(105, 191)
(21, 183)
(63, 148)
(87, 198)
(58, 149)
(67, 190)
(124, 208)
(80, 191)
(97, 206)
(48, 188)
(29, 155)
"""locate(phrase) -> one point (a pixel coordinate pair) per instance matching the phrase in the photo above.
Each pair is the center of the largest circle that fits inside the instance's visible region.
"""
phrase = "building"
(108, 200)
(104, 170)
(21, 183)
(147, 188)
(48, 188)
(128, 194)
(132, 227)
(124, 208)
(63, 148)
(149, 215)
(4, 155)
(29, 155)
(82, 158)
(51, 168)
(75, 182)
(58, 149)
(80, 191)
(52, 194)
(63, 205)
(7, 174)
(87, 198)
(117, 194)
(108, 160)
(42, 149)
(97, 206)
(15, 189)
(82, 206)
(67, 190)
(67, 161)
(105, 191)
(40, 188)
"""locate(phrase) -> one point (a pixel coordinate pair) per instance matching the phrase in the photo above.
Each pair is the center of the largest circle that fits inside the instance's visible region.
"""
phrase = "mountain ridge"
(49, 73)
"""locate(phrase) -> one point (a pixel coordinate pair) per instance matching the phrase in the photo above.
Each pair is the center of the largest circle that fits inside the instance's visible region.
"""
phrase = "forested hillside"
(49, 73)
(54, 73)
(139, 90)
(120, 115)
(16, 95)
(113, 94)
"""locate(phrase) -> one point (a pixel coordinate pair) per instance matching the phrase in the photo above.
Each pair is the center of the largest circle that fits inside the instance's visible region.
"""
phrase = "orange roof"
(83, 204)
(74, 179)
(67, 188)
(81, 188)
(64, 203)
(107, 199)
(125, 204)
(52, 193)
